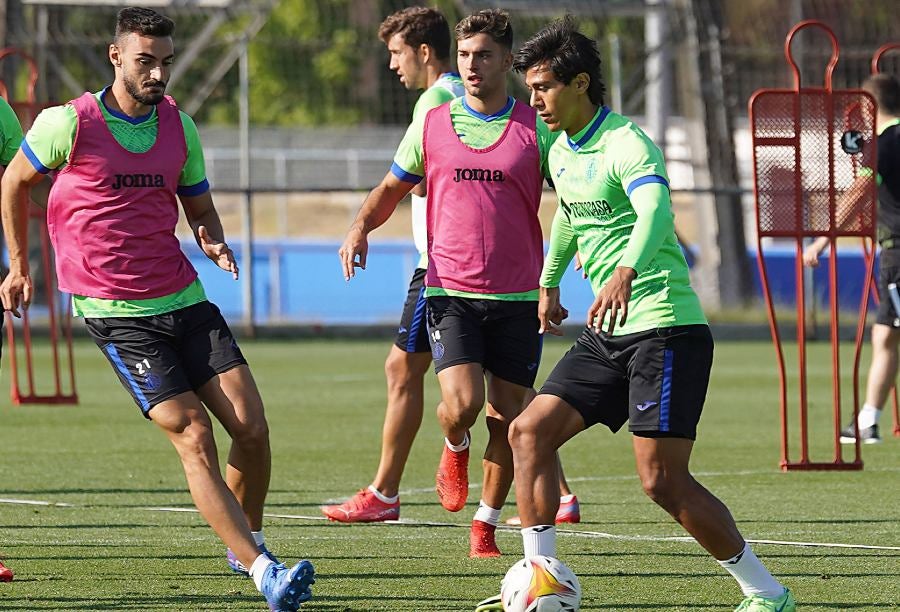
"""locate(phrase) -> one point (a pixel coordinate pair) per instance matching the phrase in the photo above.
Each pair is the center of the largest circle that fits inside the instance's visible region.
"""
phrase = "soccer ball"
(540, 584)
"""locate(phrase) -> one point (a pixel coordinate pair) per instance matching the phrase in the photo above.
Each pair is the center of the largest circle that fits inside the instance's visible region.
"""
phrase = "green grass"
(324, 400)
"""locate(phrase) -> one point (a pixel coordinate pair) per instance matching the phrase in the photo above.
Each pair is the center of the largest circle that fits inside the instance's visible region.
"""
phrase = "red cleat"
(363, 507)
(6, 574)
(452, 479)
(569, 512)
(482, 542)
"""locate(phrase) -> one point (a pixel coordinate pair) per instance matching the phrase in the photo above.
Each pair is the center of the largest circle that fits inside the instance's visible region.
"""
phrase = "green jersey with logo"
(614, 210)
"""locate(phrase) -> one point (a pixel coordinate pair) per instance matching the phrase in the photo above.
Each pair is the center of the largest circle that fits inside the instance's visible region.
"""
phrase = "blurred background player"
(10, 139)
(886, 330)
(123, 155)
(418, 40)
(486, 159)
(646, 353)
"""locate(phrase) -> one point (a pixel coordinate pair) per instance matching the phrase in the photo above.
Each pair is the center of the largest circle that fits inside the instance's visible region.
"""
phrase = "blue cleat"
(238, 568)
(285, 589)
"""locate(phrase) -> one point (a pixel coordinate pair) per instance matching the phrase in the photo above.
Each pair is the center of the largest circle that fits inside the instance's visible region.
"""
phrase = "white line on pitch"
(33, 502)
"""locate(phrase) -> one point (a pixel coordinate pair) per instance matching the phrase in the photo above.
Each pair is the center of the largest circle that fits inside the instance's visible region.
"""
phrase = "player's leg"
(882, 377)
(569, 509)
(6, 574)
(188, 426)
(404, 369)
(457, 342)
(512, 355)
(535, 437)
(668, 371)
(217, 370)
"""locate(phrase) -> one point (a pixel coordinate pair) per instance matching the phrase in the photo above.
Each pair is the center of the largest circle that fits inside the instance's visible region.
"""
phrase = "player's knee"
(251, 434)
(195, 443)
(523, 436)
(661, 489)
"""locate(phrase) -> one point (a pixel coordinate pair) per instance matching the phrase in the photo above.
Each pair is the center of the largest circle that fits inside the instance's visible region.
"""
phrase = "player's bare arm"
(15, 292)
(377, 208)
(204, 221)
(848, 210)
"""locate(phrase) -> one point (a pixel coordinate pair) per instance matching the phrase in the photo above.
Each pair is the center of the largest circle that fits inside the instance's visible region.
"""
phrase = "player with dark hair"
(418, 40)
(483, 159)
(645, 356)
(123, 158)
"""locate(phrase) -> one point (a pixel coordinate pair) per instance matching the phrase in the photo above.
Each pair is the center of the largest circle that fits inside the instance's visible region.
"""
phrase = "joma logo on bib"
(478, 174)
(138, 180)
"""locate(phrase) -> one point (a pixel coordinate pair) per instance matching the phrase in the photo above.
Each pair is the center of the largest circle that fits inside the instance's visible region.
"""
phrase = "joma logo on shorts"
(138, 180)
(478, 174)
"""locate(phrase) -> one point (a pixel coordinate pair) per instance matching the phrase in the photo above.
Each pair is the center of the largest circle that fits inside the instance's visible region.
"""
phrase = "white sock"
(382, 497)
(566, 499)
(751, 575)
(539, 540)
(867, 417)
(258, 537)
(258, 569)
(486, 514)
(461, 447)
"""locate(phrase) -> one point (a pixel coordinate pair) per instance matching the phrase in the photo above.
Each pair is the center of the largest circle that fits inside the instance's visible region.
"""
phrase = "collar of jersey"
(133, 120)
(588, 131)
(500, 113)
(449, 74)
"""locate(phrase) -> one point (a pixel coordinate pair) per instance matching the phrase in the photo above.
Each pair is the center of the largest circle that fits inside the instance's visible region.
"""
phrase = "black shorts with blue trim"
(160, 356)
(412, 335)
(501, 335)
(655, 380)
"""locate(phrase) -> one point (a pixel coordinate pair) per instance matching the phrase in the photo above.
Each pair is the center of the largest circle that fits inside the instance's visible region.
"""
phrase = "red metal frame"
(59, 326)
(876, 58)
(790, 123)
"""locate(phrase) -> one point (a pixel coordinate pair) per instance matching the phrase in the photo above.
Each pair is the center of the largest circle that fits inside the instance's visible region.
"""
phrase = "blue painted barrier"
(300, 282)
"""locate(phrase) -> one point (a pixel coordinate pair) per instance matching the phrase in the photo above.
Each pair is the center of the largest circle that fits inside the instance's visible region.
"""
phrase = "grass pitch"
(103, 542)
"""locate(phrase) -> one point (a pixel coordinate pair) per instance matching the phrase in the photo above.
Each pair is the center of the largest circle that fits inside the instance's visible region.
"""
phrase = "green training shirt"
(478, 131)
(10, 133)
(614, 210)
(48, 145)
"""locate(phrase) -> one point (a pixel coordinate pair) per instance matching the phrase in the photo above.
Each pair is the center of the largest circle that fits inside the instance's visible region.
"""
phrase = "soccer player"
(418, 40)
(886, 330)
(485, 156)
(10, 139)
(646, 353)
(123, 155)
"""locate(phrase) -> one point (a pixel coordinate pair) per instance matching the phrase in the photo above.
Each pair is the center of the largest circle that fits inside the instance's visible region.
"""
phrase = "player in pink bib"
(111, 214)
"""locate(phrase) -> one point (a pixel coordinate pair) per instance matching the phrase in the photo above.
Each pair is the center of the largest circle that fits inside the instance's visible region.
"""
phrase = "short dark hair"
(419, 25)
(493, 22)
(886, 91)
(144, 22)
(567, 52)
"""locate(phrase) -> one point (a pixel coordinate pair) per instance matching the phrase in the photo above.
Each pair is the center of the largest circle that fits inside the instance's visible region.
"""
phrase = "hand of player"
(579, 266)
(551, 313)
(355, 245)
(812, 252)
(219, 252)
(15, 292)
(612, 299)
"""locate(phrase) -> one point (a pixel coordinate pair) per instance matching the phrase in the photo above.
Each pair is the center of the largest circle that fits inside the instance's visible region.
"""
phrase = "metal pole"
(615, 73)
(658, 68)
(246, 204)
